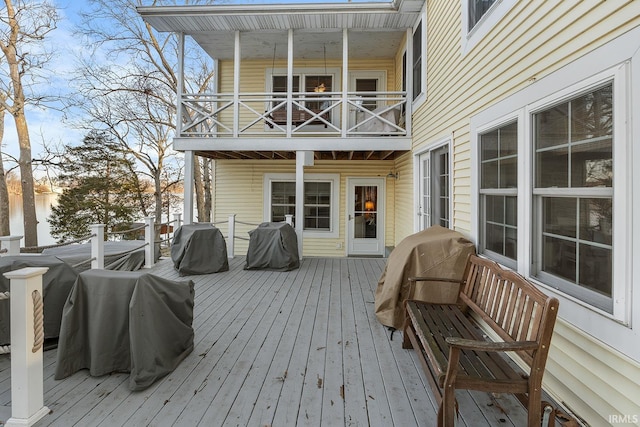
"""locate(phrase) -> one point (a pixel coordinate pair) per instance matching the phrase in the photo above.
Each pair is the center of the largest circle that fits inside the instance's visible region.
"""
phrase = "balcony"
(331, 114)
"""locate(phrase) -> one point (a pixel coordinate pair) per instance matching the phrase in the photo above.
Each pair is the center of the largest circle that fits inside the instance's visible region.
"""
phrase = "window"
(479, 17)
(573, 195)
(498, 193)
(477, 9)
(306, 83)
(310, 83)
(417, 61)
(320, 202)
(434, 188)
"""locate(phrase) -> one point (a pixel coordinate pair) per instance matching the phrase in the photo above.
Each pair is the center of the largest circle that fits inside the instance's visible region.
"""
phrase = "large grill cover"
(434, 252)
(273, 246)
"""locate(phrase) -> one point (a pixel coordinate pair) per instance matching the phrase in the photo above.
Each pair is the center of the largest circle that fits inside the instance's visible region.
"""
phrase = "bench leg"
(406, 342)
(534, 408)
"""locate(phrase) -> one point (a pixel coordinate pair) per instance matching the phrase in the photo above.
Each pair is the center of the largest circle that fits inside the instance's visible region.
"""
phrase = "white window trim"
(334, 179)
(518, 117)
(622, 330)
(611, 328)
(469, 39)
(619, 76)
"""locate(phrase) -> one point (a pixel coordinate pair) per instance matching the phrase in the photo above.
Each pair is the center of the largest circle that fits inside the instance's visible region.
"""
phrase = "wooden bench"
(457, 354)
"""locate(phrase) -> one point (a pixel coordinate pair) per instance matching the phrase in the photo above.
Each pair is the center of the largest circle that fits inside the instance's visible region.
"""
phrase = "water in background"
(43, 210)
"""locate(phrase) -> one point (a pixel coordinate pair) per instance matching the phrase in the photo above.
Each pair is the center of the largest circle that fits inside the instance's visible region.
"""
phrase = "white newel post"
(149, 240)
(12, 243)
(97, 246)
(27, 389)
(288, 218)
(177, 218)
(231, 241)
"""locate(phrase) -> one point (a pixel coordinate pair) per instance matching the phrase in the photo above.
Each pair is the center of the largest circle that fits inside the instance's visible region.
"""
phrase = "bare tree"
(133, 96)
(23, 27)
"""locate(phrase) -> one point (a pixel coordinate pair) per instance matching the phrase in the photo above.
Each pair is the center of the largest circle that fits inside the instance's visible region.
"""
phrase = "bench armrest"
(467, 344)
(434, 279)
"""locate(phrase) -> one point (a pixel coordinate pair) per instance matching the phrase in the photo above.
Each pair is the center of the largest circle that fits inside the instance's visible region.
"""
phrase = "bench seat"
(456, 353)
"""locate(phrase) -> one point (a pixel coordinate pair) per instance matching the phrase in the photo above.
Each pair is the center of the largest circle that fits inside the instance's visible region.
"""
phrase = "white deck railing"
(10, 245)
(304, 114)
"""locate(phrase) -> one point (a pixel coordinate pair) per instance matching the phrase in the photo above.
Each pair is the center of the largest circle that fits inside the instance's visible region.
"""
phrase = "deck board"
(273, 348)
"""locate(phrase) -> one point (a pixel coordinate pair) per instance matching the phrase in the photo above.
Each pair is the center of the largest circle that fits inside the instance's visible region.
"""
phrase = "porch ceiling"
(291, 155)
(376, 28)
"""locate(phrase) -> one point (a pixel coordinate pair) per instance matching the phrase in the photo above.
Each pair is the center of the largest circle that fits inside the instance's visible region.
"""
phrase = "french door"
(434, 188)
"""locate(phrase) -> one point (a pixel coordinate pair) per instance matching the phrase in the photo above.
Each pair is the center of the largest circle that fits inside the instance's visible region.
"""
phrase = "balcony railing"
(330, 114)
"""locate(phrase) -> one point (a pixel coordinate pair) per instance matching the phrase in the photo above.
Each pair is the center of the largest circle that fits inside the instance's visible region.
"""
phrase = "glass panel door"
(365, 210)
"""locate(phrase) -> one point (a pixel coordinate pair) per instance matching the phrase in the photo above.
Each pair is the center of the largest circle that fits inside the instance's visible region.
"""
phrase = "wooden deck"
(298, 348)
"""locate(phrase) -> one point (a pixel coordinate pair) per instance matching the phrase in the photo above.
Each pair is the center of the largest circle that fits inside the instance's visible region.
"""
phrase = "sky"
(48, 125)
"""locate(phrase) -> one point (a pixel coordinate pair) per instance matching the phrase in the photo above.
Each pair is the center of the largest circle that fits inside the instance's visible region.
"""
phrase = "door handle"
(350, 217)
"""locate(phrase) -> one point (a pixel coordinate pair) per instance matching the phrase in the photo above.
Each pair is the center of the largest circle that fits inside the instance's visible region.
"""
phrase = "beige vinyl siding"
(536, 39)
(593, 380)
(404, 198)
(239, 190)
(533, 40)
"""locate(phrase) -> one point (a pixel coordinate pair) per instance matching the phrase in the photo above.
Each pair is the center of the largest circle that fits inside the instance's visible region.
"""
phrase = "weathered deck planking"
(273, 348)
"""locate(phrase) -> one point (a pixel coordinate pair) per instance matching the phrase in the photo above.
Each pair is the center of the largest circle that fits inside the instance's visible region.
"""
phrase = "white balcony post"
(180, 84)
(27, 389)
(150, 241)
(231, 240)
(12, 243)
(345, 82)
(97, 246)
(288, 218)
(187, 210)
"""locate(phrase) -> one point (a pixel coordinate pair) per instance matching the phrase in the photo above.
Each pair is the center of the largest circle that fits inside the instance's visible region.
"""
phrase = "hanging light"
(320, 87)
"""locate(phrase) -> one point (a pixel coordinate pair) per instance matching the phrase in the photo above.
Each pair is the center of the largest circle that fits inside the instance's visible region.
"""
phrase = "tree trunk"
(206, 166)
(30, 220)
(4, 192)
(197, 178)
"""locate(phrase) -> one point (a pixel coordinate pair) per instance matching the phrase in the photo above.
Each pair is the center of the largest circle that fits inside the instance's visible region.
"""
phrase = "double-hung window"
(320, 202)
(573, 195)
(498, 193)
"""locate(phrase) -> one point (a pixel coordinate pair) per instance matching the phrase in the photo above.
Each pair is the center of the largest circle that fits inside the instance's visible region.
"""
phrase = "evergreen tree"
(99, 188)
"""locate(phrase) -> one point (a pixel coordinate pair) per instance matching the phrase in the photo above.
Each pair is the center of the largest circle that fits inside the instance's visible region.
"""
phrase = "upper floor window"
(479, 17)
(477, 9)
(417, 61)
(498, 193)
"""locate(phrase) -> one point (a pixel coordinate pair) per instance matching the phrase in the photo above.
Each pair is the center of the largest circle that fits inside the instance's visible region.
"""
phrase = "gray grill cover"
(273, 246)
(120, 321)
(199, 249)
(116, 255)
(56, 286)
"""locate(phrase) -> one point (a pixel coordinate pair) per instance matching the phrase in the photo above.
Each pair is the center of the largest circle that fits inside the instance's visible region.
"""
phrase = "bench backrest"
(512, 306)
